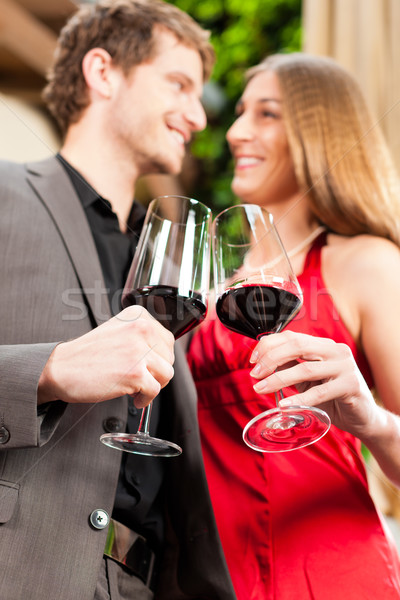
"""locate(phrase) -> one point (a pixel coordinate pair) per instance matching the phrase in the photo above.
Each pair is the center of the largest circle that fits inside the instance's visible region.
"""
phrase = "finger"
(161, 348)
(270, 342)
(160, 369)
(309, 371)
(134, 314)
(324, 393)
(303, 346)
(145, 380)
(158, 364)
(273, 353)
(149, 390)
(144, 327)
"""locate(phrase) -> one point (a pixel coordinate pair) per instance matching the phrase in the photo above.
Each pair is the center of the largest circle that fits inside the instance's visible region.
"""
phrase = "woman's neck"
(297, 228)
(294, 222)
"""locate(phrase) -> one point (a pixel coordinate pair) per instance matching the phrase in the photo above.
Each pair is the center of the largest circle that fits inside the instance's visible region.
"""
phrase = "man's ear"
(96, 68)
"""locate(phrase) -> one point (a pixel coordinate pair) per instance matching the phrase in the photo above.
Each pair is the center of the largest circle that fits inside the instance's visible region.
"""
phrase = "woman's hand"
(325, 375)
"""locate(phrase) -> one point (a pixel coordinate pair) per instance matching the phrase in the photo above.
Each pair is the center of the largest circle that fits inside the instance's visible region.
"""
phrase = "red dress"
(296, 525)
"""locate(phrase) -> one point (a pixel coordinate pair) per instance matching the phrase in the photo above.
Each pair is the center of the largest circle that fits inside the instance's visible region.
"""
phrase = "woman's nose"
(239, 130)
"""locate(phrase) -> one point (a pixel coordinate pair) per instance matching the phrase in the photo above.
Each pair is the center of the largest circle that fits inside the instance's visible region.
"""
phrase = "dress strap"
(313, 258)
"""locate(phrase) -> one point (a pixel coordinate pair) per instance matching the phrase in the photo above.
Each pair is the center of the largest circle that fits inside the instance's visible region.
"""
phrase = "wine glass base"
(140, 443)
(285, 429)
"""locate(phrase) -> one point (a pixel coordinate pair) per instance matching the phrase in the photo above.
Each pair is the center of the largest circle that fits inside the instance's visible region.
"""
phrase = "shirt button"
(112, 425)
(99, 519)
(132, 410)
(4, 435)
(135, 479)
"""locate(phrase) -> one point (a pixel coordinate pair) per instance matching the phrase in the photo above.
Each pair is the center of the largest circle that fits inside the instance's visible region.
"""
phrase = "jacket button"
(4, 435)
(99, 519)
(112, 425)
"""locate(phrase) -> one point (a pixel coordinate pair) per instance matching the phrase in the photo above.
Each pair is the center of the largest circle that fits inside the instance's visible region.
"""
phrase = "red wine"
(177, 313)
(255, 310)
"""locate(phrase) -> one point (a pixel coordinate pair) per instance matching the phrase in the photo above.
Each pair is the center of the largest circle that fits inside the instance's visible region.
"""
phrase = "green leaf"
(243, 32)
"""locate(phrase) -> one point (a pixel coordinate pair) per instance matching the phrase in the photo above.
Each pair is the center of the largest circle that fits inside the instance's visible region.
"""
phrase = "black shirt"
(137, 499)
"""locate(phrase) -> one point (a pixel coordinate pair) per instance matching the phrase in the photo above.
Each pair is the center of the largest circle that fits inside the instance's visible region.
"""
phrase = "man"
(125, 88)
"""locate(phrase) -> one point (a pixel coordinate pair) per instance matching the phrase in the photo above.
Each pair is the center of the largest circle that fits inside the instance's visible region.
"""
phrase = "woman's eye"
(268, 113)
(178, 85)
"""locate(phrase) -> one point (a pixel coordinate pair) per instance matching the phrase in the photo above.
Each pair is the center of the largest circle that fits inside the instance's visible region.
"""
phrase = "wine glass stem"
(278, 396)
(145, 420)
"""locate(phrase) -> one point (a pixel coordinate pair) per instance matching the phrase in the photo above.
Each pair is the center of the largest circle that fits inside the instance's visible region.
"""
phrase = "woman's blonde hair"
(341, 159)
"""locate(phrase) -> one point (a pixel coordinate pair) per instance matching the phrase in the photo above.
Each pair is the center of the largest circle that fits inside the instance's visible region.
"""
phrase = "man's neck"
(98, 164)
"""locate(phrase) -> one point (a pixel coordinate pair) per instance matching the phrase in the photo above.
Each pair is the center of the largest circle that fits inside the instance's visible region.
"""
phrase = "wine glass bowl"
(258, 294)
(169, 277)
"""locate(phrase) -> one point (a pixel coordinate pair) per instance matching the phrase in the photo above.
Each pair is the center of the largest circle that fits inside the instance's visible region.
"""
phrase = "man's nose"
(196, 116)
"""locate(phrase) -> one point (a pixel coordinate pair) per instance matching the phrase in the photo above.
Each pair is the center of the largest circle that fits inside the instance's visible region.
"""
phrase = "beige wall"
(364, 37)
(25, 131)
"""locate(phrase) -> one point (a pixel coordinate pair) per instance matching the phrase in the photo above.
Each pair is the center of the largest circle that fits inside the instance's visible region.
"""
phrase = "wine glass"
(257, 294)
(169, 276)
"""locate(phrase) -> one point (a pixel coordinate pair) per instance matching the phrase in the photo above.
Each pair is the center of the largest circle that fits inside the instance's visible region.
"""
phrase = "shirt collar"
(88, 196)
(86, 193)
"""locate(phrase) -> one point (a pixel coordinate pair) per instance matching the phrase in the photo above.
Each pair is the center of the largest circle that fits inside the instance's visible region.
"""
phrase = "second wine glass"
(169, 276)
(257, 294)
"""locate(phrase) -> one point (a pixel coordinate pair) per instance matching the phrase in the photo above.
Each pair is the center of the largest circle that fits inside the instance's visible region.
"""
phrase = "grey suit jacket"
(53, 470)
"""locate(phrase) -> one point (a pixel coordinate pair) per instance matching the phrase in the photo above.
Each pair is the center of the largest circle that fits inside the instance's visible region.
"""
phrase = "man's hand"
(129, 354)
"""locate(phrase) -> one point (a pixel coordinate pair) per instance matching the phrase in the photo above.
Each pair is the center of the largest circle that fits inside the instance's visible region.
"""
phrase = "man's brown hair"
(125, 29)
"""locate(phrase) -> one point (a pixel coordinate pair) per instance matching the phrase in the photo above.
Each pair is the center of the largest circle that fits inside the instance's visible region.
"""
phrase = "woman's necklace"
(293, 252)
(304, 243)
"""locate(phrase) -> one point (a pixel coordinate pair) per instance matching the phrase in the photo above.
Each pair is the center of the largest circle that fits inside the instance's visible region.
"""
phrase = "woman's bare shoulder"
(361, 253)
(354, 268)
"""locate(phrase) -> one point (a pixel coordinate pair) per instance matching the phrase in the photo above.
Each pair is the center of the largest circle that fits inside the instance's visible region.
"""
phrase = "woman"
(302, 524)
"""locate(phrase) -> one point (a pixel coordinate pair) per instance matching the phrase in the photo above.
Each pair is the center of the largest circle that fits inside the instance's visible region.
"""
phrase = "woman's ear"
(96, 68)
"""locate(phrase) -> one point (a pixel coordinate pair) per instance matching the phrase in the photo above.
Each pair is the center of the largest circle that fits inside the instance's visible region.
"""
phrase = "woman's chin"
(241, 192)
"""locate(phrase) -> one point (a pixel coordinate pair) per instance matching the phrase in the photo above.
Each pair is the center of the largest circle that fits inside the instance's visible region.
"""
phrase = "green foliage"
(243, 32)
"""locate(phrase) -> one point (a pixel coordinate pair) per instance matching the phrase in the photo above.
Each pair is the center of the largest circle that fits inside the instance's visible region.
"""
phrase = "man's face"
(157, 108)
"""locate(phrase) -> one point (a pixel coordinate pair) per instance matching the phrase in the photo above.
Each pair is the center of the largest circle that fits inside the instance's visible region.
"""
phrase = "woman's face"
(264, 172)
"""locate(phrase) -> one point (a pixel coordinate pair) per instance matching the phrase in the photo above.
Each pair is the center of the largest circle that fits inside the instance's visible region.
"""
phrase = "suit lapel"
(54, 189)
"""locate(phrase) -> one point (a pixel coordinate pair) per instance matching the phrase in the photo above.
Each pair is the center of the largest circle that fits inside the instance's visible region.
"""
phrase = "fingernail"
(284, 403)
(260, 386)
(254, 356)
(256, 370)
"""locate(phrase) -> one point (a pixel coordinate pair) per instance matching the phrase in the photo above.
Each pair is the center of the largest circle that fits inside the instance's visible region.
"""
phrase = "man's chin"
(170, 168)
(174, 168)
